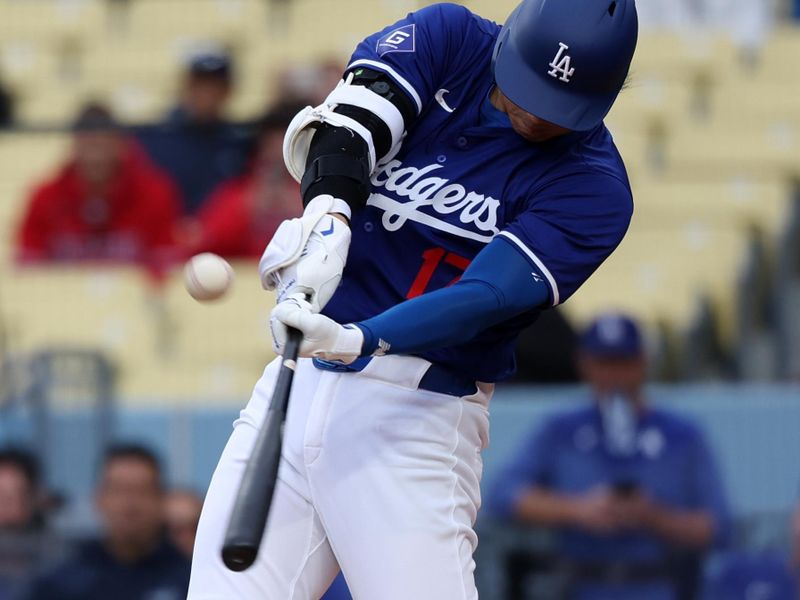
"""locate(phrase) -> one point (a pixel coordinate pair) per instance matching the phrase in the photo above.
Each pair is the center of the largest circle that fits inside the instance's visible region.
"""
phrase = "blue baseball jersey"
(673, 465)
(462, 178)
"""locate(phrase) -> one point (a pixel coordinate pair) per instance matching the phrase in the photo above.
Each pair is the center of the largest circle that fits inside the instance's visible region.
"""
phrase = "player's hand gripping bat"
(249, 516)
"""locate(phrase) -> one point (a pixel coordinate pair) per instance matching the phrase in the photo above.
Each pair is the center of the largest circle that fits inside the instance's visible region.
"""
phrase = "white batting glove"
(322, 337)
(306, 256)
(318, 271)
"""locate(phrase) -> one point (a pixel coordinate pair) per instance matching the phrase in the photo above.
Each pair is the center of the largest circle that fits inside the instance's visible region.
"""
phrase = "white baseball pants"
(378, 478)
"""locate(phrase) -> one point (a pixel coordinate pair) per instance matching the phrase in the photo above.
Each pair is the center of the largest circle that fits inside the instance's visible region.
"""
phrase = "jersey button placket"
(462, 142)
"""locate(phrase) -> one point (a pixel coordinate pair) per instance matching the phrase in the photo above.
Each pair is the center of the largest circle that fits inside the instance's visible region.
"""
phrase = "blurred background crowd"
(648, 447)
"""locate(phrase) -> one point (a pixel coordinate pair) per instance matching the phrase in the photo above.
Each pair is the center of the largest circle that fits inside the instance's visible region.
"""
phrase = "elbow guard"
(337, 165)
(335, 147)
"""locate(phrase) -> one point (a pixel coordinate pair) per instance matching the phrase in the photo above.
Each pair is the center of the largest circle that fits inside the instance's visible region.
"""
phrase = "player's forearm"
(442, 318)
(541, 507)
(454, 315)
(690, 528)
(337, 164)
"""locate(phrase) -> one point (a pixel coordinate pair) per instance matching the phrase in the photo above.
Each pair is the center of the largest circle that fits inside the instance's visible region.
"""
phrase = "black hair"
(275, 120)
(24, 461)
(127, 450)
(95, 116)
(211, 65)
(278, 117)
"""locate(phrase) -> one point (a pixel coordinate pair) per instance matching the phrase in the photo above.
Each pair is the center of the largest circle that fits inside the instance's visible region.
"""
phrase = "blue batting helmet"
(565, 61)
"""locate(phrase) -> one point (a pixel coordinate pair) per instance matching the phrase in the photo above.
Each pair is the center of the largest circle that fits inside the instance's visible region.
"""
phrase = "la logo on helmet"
(562, 64)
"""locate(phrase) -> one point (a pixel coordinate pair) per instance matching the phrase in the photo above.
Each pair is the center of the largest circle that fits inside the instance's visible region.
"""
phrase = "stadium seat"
(26, 64)
(163, 343)
(735, 202)
(163, 20)
(24, 161)
(683, 57)
(774, 62)
(219, 348)
(699, 152)
(71, 306)
(660, 274)
(48, 20)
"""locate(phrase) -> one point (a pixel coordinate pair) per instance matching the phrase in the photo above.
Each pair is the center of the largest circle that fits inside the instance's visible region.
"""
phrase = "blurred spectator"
(310, 84)
(108, 202)
(241, 215)
(25, 545)
(6, 108)
(194, 144)
(182, 513)
(629, 488)
(133, 560)
(19, 486)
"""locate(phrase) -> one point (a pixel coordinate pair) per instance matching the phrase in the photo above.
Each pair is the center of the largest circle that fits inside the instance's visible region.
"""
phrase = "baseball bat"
(250, 512)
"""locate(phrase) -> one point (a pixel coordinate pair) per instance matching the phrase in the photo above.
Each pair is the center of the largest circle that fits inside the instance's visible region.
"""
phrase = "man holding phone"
(628, 487)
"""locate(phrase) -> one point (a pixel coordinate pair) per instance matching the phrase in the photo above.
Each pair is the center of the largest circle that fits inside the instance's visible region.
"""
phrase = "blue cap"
(565, 61)
(612, 336)
(211, 64)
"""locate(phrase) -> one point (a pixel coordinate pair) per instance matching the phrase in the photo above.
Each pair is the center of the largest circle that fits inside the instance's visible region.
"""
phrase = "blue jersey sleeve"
(570, 227)
(422, 50)
(484, 296)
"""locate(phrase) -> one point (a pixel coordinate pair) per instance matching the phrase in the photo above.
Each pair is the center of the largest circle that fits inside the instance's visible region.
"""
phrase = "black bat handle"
(249, 516)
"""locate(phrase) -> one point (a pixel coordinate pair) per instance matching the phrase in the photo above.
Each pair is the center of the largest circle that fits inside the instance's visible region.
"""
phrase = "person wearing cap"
(107, 202)
(243, 213)
(632, 490)
(194, 144)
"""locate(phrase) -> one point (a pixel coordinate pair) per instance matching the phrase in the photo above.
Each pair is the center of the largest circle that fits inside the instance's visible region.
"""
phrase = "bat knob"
(238, 557)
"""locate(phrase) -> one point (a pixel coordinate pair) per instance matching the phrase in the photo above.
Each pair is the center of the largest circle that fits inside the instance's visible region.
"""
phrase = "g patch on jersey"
(402, 39)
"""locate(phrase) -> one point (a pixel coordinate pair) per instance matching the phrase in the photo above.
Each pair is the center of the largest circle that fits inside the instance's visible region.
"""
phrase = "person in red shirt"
(107, 203)
(241, 215)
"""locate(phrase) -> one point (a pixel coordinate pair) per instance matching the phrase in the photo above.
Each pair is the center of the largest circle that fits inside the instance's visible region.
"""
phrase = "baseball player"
(457, 182)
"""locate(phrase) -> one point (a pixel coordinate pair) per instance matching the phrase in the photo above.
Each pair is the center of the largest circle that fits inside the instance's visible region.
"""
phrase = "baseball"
(207, 277)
